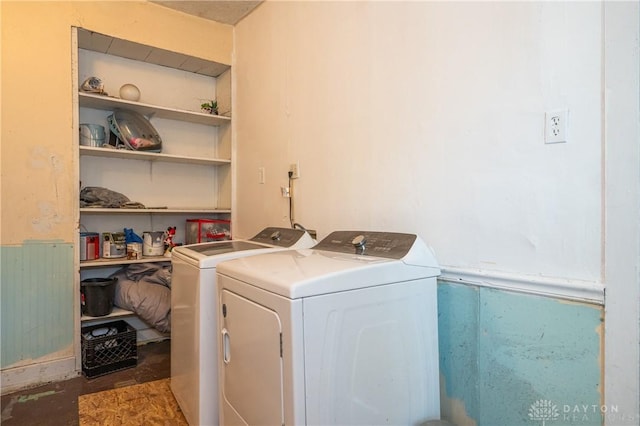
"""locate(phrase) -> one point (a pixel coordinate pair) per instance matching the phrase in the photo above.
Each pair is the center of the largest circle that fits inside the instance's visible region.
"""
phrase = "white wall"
(427, 117)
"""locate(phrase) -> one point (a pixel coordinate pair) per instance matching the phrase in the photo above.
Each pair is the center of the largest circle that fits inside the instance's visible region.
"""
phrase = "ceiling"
(226, 12)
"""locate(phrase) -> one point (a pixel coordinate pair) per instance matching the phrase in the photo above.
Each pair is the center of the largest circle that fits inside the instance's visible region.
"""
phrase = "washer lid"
(221, 247)
(303, 273)
(208, 255)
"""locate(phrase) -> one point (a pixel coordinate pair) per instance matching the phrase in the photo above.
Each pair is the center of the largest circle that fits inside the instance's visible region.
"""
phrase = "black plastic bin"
(97, 296)
(108, 347)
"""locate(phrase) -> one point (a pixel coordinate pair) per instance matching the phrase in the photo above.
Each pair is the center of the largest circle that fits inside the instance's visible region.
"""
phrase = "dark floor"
(56, 404)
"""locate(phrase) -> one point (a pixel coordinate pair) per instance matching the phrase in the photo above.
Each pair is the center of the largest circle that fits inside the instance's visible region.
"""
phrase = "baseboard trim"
(28, 376)
(575, 290)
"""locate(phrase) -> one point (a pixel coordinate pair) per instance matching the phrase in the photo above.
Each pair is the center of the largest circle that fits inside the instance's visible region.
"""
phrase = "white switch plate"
(294, 168)
(556, 125)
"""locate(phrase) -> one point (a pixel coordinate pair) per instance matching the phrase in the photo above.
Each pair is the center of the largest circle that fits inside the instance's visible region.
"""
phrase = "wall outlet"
(294, 168)
(555, 126)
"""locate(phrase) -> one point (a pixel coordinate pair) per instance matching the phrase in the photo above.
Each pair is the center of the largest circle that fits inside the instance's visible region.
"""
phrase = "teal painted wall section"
(504, 354)
(458, 313)
(36, 301)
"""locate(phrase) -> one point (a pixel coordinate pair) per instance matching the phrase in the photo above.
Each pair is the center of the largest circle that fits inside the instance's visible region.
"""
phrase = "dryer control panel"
(281, 237)
(391, 245)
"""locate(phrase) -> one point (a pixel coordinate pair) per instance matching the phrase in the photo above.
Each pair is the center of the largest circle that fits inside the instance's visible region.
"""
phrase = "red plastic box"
(204, 230)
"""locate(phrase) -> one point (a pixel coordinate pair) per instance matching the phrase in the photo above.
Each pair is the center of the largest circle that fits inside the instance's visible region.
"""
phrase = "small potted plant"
(210, 107)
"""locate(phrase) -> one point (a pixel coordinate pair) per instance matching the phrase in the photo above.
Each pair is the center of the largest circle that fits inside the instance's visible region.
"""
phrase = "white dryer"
(345, 333)
(194, 336)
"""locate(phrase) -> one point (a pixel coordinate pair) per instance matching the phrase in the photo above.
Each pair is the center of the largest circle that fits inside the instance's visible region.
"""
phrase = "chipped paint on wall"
(47, 218)
(44, 159)
(502, 352)
(455, 408)
(36, 317)
(458, 345)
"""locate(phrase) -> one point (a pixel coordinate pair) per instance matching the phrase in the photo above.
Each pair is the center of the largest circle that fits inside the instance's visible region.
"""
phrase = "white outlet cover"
(556, 126)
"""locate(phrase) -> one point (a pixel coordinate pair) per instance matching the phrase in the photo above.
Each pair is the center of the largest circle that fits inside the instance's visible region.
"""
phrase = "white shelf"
(91, 100)
(117, 312)
(101, 263)
(170, 210)
(149, 156)
(193, 138)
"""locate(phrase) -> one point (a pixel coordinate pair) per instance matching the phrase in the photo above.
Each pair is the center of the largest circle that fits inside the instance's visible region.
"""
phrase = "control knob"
(359, 242)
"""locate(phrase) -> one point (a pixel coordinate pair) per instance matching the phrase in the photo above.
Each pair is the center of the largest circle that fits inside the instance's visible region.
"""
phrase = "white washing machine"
(345, 333)
(194, 336)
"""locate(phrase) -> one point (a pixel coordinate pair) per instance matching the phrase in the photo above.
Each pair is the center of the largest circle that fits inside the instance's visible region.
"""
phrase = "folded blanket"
(97, 196)
(145, 289)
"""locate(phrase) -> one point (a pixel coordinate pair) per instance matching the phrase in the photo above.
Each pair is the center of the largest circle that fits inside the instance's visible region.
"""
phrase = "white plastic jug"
(153, 243)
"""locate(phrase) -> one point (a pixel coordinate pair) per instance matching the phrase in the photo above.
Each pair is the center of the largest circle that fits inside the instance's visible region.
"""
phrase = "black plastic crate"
(108, 347)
